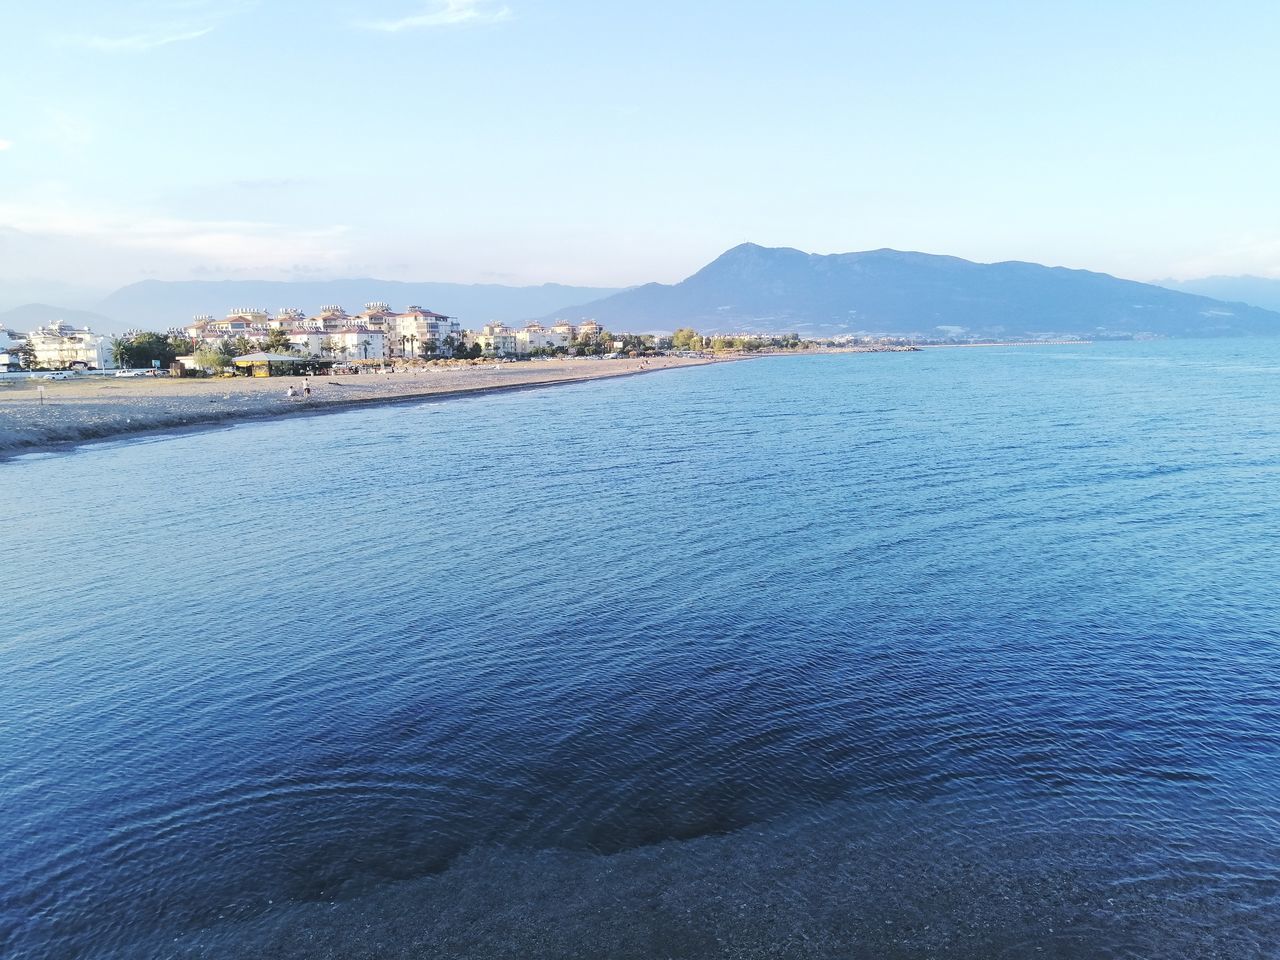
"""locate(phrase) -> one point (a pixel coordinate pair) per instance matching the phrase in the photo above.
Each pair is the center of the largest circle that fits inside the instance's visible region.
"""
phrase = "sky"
(611, 143)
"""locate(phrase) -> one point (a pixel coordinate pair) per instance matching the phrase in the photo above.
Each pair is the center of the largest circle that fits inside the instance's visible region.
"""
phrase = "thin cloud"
(1257, 254)
(144, 25)
(239, 244)
(137, 43)
(445, 13)
(5, 144)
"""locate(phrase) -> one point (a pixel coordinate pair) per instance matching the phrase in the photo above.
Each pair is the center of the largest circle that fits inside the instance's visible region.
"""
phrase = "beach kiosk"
(280, 365)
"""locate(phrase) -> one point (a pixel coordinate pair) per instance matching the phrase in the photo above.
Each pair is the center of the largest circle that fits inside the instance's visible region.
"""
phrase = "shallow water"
(958, 653)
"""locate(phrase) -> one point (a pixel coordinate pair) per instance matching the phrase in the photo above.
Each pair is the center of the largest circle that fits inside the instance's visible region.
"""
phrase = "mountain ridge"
(752, 288)
(1246, 288)
(29, 315)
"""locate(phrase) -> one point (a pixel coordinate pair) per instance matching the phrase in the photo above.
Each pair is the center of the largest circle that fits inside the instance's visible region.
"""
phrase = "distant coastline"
(1008, 343)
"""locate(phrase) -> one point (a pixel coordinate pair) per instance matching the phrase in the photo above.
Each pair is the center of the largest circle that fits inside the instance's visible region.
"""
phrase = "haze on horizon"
(530, 141)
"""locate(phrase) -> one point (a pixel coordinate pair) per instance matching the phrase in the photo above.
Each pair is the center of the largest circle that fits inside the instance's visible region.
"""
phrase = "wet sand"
(100, 407)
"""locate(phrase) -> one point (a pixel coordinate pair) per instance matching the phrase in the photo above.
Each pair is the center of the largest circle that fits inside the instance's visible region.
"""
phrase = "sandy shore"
(98, 407)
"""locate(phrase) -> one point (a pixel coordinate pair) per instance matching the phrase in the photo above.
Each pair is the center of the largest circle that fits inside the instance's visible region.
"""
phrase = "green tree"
(686, 338)
(146, 348)
(27, 355)
(213, 356)
(120, 353)
(328, 346)
(278, 341)
(242, 345)
(183, 346)
(637, 342)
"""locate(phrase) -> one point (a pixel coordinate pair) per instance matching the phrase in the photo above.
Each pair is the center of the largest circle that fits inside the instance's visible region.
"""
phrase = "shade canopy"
(269, 358)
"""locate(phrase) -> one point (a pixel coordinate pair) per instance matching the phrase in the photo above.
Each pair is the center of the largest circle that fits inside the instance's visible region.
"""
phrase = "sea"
(961, 653)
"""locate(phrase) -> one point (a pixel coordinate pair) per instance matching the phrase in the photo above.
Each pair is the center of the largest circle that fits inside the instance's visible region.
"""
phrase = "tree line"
(144, 349)
(686, 338)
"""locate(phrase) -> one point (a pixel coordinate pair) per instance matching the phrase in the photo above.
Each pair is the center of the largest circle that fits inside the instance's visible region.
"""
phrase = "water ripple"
(883, 634)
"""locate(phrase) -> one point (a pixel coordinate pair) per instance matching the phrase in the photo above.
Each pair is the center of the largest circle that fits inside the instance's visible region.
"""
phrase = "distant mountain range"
(31, 315)
(160, 304)
(1260, 291)
(755, 289)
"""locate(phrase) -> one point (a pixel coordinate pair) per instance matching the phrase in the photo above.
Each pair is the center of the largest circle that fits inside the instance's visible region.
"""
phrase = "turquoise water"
(965, 653)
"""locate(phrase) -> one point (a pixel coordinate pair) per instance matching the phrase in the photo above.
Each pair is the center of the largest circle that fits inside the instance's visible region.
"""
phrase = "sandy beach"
(98, 407)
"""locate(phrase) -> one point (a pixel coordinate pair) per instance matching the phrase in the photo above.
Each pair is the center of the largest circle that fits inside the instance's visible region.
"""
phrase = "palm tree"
(120, 351)
(364, 347)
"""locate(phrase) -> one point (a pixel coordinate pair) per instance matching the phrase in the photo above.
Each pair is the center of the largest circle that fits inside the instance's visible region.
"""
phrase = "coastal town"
(65, 384)
(289, 340)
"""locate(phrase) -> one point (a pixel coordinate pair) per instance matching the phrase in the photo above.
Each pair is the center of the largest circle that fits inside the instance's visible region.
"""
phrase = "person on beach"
(306, 388)
(291, 393)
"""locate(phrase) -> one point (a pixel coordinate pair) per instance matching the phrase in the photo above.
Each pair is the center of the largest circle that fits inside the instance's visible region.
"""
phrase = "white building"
(62, 346)
(252, 322)
(288, 318)
(310, 343)
(350, 343)
(537, 337)
(495, 339)
(330, 319)
(360, 343)
(414, 332)
(11, 343)
(377, 315)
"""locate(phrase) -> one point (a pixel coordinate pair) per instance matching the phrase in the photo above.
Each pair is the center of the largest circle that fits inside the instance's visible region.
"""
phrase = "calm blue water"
(965, 653)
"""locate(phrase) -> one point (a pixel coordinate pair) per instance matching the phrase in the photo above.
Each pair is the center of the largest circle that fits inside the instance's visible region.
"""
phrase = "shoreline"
(1005, 343)
(74, 418)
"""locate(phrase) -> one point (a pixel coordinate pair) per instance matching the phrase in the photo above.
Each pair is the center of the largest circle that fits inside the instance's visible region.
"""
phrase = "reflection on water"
(961, 652)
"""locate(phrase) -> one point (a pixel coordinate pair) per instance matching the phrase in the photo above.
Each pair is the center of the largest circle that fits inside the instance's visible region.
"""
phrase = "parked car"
(132, 373)
(59, 375)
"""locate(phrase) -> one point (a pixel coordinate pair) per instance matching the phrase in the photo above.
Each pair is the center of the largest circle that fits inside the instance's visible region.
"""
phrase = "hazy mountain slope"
(32, 315)
(160, 304)
(1259, 291)
(888, 291)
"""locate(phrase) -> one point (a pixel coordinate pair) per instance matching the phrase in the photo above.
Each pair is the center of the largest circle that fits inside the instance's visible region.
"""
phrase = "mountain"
(161, 304)
(1259, 291)
(15, 292)
(31, 315)
(762, 289)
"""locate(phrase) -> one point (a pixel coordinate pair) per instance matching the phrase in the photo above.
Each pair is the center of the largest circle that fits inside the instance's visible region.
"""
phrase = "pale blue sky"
(616, 143)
